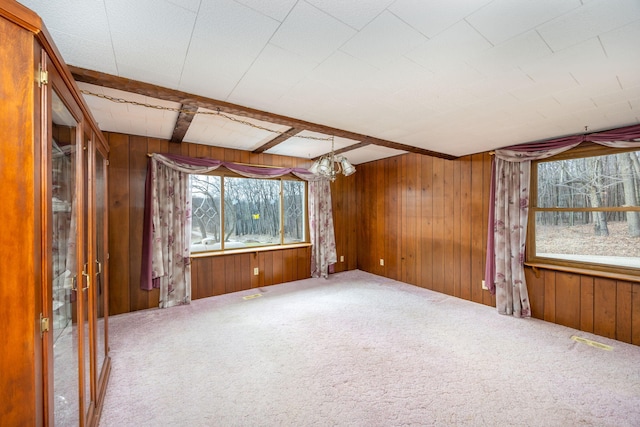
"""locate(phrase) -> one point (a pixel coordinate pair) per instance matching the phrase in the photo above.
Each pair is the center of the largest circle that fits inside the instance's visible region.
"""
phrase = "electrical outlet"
(256, 271)
(341, 258)
(484, 286)
(381, 261)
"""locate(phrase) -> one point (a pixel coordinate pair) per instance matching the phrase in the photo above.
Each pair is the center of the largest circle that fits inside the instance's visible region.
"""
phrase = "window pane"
(294, 204)
(602, 181)
(205, 203)
(251, 212)
(591, 237)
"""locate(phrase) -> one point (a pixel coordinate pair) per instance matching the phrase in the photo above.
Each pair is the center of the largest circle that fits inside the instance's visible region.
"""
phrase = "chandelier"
(330, 165)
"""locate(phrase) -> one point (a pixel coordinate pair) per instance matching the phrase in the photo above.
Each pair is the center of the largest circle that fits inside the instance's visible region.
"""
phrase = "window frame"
(224, 172)
(585, 149)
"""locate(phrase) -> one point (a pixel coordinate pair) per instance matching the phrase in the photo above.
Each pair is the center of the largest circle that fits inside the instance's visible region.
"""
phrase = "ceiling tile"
(241, 133)
(622, 43)
(590, 20)
(434, 16)
(341, 71)
(452, 46)
(272, 74)
(353, 13)
(85, 53)
(302, 145)
(70, 17)
(501, 20)
(192, 5)
(226, 40)
(314, 41)
(543, 85)
(276, 9)
(383, 40)
(371, 153)
(156, 56)
(517, 52)
(82, 42)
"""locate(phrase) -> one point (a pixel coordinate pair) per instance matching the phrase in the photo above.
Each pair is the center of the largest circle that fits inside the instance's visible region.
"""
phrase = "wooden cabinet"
(54, 355)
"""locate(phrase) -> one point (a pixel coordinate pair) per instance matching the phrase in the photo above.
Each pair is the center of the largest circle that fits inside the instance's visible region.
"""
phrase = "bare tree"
(630, 194)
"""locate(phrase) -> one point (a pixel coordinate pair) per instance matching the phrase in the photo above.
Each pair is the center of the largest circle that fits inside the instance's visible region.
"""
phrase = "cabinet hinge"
(43, 76)
(44, 324)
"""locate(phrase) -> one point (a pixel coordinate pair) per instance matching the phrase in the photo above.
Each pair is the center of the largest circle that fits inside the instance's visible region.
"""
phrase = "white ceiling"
(450, 76)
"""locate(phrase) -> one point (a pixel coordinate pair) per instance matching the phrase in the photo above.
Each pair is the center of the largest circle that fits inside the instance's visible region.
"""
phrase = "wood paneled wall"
(210, 275)
(606, 307)
(427, 219)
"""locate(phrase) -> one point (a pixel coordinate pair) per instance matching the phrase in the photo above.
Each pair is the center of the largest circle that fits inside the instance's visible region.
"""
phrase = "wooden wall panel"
(138, 149)
(623, 311)
(465, 228)
(635, 314)
(568, 300)
(535, 288)
(210, 275)
(586, 303)
(440, 219)
(426, 222)
(605, 298)
(446, 228)
(119, 279)
(479, 192)
(437, 211)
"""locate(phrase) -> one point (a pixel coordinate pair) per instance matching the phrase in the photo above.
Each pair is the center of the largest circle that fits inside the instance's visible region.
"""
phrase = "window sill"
(249, 250)
(537, 266)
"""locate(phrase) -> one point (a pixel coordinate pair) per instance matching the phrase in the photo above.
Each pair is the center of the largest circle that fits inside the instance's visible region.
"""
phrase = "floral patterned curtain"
(171, 262)
(511, 209)
(166, 238)
(323, 249)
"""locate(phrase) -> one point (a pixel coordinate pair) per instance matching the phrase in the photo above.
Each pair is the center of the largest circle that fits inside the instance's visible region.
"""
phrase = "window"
(584, 210)
(257, 212)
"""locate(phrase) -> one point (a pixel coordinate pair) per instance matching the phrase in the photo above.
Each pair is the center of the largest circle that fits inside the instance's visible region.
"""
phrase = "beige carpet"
(361, 350)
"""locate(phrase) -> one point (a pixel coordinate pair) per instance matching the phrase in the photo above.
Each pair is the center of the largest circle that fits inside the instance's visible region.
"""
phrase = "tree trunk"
(201, 226)
(633, 218)
(600, 227)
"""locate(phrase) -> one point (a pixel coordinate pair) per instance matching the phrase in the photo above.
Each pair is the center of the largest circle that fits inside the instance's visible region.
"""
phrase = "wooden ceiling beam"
(185, 117)
(277, 140)
(183, 98)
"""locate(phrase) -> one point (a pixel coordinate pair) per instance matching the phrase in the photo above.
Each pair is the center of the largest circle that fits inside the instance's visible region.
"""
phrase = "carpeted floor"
(360, 350)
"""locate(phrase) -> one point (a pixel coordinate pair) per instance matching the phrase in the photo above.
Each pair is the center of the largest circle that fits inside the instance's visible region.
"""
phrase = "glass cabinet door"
(87, 286)
(65, 297)
(100, 287)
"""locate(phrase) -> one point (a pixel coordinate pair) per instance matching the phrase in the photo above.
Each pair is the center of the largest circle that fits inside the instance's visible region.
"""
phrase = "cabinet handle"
(85, 273)
(99, 267)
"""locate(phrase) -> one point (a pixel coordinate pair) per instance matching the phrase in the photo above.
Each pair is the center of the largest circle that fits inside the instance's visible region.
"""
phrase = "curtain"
(508, 210)
(511, 208)
(323, 250)
(159, 229)
(171, 264)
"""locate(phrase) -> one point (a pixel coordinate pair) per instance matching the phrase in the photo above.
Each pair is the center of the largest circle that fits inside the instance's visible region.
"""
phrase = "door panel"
(64, 330)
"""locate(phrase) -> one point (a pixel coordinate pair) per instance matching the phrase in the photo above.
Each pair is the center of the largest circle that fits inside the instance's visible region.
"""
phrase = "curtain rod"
(245, 164)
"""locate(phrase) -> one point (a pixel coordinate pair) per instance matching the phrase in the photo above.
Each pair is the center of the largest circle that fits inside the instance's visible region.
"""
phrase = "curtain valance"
(623, 137)
(195, 165)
